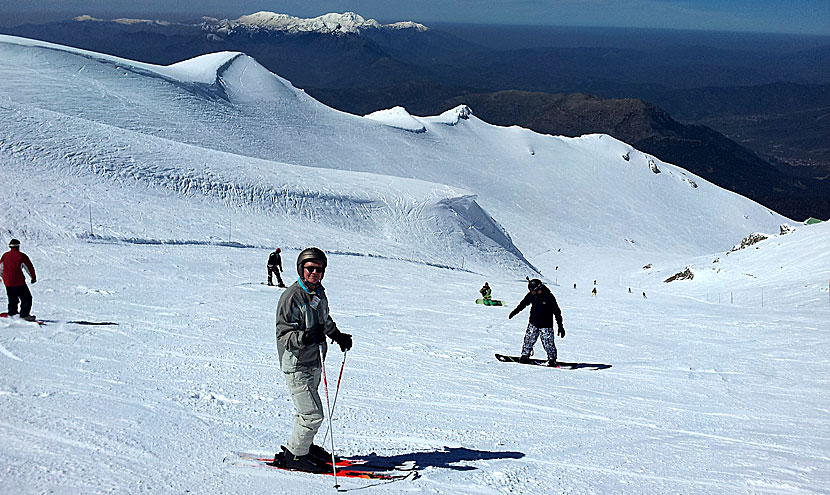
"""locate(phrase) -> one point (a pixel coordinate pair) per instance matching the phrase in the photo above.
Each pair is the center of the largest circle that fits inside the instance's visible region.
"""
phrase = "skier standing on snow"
(303, 323)
(486, 294)
(12, 264)
(543, 308)
(275, 267)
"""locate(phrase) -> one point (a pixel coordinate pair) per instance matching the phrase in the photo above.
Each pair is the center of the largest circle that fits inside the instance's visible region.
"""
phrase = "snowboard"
(493, 302)
(346, 467)
(559, 364)
(515, 359)
(39, 322)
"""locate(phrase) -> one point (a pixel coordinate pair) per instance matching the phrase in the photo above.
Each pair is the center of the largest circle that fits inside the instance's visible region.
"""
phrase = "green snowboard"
(491, 302)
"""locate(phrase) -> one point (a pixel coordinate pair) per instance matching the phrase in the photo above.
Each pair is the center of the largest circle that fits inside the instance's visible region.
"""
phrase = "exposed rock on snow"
(684, 275)
(653, 166)
(750, 240)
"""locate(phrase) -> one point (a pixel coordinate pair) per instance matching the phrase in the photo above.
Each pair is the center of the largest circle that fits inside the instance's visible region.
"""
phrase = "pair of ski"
(74, 322)
(347, 467)
(30, 320)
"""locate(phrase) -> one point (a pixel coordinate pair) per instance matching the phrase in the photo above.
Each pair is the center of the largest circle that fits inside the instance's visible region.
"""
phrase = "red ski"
(346, 468)
(39, 322)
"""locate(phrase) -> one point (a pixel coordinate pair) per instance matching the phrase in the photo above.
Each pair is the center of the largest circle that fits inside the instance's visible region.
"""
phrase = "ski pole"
(336, 392)
(328, 405)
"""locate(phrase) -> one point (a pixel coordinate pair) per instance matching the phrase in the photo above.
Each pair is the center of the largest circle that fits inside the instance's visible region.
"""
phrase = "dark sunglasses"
(314, 269)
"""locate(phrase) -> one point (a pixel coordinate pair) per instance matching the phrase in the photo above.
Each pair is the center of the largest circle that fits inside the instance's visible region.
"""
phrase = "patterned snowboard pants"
(532, 334)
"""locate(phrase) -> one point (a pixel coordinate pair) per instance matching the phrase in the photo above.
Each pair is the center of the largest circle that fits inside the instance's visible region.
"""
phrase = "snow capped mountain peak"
(347, 22)
(122, 20)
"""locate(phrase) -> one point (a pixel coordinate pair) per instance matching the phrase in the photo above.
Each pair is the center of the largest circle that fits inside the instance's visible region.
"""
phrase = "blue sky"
(780, 16)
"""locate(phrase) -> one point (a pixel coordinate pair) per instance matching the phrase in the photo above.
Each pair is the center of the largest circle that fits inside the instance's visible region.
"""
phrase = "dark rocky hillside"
(698, 149)
(785, 121)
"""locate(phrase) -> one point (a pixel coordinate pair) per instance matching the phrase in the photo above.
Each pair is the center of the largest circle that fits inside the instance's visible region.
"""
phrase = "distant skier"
(275, 267)
(12, 264)
(486, 294)
(303, 323)
(543, 309)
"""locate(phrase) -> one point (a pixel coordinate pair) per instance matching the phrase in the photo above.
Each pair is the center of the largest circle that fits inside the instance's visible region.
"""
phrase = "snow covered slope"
(783, 271)
(545, 191)
(363, 212)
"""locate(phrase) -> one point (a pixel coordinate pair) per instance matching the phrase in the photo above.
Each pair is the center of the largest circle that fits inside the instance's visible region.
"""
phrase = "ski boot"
(321, 455)
(304, 463)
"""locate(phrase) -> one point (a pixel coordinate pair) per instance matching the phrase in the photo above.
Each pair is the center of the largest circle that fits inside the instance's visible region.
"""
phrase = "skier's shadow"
(445, 458)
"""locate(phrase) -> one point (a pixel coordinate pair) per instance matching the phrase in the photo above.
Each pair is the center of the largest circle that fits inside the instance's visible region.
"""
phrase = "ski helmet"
(14, 243)
(310, 254)
(278, 250)
(533, 284)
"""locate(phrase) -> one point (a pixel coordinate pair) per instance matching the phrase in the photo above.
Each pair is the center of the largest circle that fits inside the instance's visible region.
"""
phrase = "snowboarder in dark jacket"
(487, 294)
(12, 264)
(543, 309)
(275, 267)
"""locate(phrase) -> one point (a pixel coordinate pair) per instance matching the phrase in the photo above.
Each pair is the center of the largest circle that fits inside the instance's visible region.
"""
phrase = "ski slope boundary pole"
(328, 405)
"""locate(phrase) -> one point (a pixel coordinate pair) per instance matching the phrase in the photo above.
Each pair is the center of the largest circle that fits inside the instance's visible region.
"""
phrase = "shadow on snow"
(446, 458)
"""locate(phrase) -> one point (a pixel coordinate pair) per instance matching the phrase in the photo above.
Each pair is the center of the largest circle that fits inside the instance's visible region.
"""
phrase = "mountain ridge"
(266, 123)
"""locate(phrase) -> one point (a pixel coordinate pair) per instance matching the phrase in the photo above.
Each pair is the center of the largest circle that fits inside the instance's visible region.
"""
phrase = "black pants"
(20, 293)
(276, 271)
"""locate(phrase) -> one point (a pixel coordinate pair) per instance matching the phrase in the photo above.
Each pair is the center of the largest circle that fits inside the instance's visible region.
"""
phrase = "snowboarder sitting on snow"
(543, 308)
(486, 294)
(275, 267)
(12, 264)
(303, 323)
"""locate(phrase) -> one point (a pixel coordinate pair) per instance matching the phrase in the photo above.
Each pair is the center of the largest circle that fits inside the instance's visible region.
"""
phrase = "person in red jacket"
(12, 264)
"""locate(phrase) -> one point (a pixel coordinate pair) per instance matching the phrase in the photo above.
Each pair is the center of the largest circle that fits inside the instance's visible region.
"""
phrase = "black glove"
(314, 335)
(344, 340)
(512, 314)
(562, 331)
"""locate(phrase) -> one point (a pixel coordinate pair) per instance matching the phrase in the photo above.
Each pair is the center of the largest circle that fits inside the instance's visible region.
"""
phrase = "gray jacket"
(295, 315)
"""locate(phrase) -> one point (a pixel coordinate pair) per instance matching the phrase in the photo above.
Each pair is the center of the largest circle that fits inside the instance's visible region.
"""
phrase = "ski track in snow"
(8, 353)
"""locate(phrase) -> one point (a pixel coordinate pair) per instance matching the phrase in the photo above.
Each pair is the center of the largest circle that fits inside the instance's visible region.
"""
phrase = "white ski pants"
(308, 408)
